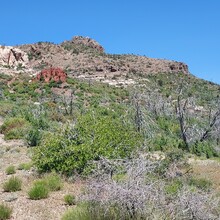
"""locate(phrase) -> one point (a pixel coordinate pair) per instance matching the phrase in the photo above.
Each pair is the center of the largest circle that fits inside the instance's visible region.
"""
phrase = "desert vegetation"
(130, 148)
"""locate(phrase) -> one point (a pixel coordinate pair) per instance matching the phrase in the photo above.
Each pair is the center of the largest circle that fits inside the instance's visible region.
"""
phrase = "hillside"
(85, 58)
(121, 136)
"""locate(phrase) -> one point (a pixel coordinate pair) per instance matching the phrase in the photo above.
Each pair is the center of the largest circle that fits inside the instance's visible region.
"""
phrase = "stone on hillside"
(52, 74)
(13, 57)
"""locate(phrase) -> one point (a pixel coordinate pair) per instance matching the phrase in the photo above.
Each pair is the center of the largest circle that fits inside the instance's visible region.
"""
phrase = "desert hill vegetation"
(91, 135)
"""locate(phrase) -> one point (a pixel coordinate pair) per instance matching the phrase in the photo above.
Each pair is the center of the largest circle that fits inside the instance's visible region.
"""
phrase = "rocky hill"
(72, 148)
(83, 57)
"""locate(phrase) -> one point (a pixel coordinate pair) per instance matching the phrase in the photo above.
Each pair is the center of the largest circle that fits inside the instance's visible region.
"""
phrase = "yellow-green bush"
(95, 135)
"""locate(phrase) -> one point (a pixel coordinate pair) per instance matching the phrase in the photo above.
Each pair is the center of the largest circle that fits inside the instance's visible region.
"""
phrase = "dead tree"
(199, 134)
(180, 111)
(138, 113)
(211, 125)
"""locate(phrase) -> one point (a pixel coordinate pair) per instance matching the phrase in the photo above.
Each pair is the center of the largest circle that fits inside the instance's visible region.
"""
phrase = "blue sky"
(182, 30)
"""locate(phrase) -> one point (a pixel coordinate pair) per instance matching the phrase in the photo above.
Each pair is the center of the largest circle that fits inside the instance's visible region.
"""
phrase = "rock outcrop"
(83, 57)
(85, 42)
(51, 74)
(13, 57)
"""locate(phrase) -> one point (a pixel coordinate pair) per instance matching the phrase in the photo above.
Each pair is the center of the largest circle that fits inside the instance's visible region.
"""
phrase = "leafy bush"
(14, 128)
(12, 185)
(95, 135)
(10, 170)
(5, 212)
(38, 191)
(33, 137)
(70, 199)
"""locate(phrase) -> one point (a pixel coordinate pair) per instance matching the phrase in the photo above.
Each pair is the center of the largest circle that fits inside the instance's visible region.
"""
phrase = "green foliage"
(38, 191)
(200, 183)
(173, 187)
(70, 199)
(89, 211)
(5, 107)
(95, 135)
(165, 143)
(42, 187)
(10, 170)
(5, 212)
(14, 128)
(34, 137)
(12, 185)
(204, 149)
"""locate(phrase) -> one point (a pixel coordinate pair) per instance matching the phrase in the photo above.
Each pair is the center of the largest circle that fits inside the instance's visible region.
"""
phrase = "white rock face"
(13, 57)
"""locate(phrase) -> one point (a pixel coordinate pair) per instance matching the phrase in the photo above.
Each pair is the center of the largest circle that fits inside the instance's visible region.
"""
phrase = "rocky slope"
(83, 57)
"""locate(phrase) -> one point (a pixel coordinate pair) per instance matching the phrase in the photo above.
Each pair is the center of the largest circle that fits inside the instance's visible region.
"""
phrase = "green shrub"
(38, 191)
(10, 170)
(14, 128)
(204, 149)
(5, 212)
(70, 199)
(95, 135)
(12, 185)
(33, 137)
(53, 182)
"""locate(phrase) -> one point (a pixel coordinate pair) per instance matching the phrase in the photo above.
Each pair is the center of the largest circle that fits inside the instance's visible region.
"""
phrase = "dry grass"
(208, 169)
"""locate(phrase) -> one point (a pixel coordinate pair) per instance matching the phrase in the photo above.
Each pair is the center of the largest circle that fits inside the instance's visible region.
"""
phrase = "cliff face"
(85, 58)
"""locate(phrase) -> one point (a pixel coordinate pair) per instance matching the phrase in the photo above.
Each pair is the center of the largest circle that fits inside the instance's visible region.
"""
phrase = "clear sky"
(181, 30)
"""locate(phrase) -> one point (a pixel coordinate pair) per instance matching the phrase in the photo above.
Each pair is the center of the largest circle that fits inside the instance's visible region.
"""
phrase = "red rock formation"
(52, 74)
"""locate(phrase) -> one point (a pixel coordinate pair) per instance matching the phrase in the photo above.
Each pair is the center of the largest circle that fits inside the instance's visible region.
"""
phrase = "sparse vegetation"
(53, 182)
(127, 147)
(5, 212)
(25, 166)
(200, 183)
(13, 184)
(39, 190)
(10, 170)
(70, 199)
(14, 128)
